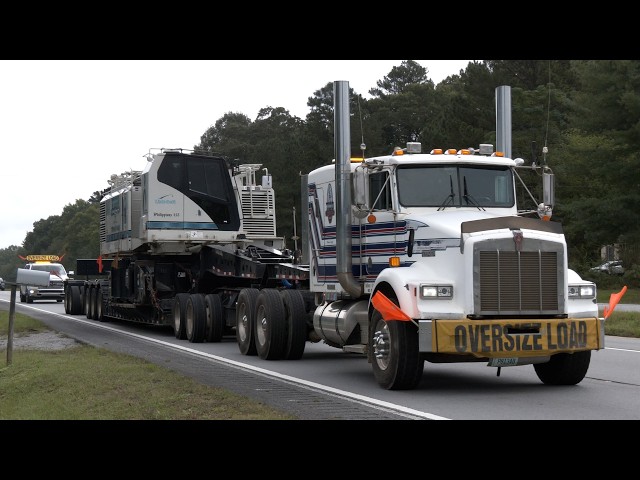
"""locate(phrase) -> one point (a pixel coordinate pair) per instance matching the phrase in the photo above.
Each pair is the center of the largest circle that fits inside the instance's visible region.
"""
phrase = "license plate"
(503, 362)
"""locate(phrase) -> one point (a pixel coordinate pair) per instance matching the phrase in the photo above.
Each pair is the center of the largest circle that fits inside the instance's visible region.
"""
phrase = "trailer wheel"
(99, 308)
(215, 317)
(396, 360)
(195, 318)
(296, 313)
(564, 368)
(67, 300)
(83, 299)
(93, 300)
(75, 300)
(87, 302)
(179, 308)
(246, 320)
(271, 325)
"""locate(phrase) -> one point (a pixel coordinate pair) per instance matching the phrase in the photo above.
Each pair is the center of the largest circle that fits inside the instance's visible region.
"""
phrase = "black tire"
(87, 301)
(246, 320)
(83, 299)
(75, 300)
(271, 325)
(215, 317)
(93, 300)
(179, 308)
(98, 312)
(23, 298)
(395, 356)
(564, 368)
(195, 318)
(29, 298)
(67, 300)
(295, 312)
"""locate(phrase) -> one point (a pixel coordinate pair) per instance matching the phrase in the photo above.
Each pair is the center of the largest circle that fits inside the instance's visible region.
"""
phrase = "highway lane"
(345, 381)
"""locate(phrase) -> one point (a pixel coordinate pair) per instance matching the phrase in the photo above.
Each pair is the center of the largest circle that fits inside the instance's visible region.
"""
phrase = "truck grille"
(508, 282)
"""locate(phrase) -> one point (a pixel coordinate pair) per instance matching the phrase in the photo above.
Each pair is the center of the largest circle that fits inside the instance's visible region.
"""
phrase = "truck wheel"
(396, 360)
(67, 300)
(215, 317)
(195, 318)
(179, 308)
(246, 320)
(99, 307)
(91, 304)
(23, 298)
(564, 368)
(271, 325)
(29, 298)
(87, 301)
(75, 300)
(295, 312)
(83, 299)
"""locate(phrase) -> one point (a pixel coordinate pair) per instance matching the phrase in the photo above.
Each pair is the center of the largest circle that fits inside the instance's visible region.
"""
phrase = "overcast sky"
(67, 126)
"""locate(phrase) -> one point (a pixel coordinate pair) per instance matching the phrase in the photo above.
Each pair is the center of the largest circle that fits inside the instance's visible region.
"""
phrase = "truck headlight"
(442, 292)
(582, 291)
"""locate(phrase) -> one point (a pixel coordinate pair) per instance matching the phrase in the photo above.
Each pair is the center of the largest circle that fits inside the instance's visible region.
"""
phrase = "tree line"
(580, 117)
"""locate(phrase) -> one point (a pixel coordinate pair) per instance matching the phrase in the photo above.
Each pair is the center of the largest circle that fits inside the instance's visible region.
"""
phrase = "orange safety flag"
(388, 309)
(613, 301)
(99, 262)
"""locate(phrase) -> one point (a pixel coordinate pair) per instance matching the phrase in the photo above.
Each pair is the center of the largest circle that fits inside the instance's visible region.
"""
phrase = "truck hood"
(444, 224)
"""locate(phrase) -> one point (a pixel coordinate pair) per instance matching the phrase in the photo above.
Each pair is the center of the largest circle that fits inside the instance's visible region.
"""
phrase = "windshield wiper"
(449, 200)
(467, 196)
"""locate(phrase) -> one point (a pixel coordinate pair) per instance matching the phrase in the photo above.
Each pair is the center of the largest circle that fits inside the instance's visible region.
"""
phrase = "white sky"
(67, 126)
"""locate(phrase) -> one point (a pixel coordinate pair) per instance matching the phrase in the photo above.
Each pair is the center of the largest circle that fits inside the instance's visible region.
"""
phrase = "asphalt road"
(330, 384)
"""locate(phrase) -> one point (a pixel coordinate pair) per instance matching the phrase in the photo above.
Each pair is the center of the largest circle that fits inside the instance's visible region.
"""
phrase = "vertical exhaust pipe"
(342, 146)
(503, 120)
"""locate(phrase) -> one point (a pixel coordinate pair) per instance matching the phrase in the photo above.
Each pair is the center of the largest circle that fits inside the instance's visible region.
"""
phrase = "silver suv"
(612, 267)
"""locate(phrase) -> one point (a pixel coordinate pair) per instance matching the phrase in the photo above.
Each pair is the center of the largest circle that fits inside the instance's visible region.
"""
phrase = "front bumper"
(508, 338)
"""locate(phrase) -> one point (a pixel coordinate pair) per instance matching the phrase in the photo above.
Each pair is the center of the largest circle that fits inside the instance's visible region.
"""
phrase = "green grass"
(632, 295)
(88, 383)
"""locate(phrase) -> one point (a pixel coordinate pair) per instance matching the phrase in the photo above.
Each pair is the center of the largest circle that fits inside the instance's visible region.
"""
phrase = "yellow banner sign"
(43, 258)
(516, 338)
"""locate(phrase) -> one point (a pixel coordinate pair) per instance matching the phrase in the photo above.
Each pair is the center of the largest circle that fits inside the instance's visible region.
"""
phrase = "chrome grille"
(508, 282)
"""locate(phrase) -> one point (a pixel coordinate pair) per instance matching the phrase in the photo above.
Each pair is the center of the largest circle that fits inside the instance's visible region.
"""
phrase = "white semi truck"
(407, 258)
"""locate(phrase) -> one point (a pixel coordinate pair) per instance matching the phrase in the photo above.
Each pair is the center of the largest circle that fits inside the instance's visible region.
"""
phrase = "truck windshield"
(55, 269)
(455, 186)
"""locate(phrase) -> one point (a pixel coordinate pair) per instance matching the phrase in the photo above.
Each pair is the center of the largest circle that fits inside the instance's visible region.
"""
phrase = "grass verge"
(88, 383)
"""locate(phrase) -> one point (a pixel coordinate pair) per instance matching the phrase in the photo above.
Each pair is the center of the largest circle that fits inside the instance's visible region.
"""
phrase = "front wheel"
(396, 360)
(564, 368)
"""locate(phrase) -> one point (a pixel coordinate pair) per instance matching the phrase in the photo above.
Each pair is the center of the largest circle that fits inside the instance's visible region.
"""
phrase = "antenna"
(363, 146)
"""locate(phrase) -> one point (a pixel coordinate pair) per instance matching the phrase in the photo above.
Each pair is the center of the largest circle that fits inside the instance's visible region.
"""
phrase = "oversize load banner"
(516, 338)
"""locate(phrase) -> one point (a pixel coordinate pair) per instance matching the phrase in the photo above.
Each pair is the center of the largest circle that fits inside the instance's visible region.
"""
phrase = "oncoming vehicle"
(612, 267)
(57, 277)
